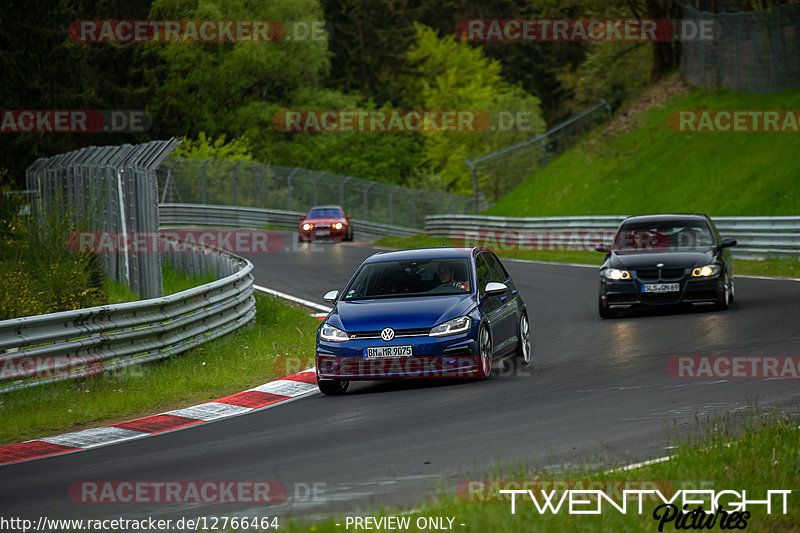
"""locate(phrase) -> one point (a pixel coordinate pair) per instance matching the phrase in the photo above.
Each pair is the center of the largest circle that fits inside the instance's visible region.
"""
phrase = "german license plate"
(661, 287)
(387, 351)
(323, 233)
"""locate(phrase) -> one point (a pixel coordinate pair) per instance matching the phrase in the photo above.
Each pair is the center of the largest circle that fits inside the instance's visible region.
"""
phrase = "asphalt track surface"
(598, 393)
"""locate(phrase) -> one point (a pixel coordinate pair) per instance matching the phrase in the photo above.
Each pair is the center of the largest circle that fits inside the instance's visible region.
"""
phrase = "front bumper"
(433, 357)
(333, 234)
(624, 294)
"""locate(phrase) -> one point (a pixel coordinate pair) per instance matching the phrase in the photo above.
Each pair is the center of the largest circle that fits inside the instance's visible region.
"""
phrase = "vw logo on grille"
(387, 334)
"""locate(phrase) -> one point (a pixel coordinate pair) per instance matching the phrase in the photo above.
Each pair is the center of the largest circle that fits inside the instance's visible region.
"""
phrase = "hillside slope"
(639, 165)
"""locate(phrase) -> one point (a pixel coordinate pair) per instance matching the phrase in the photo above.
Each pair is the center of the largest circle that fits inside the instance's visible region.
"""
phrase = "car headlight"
(338, 225)
(332, 334)
(451, 327)
(307, 226)
(705, 271)
(616, 274)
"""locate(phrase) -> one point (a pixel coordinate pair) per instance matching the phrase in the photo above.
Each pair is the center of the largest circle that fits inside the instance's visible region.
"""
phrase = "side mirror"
(331, 296)
(348, 217)
(302, 218)
(727, 243)
(604, 248)
(494, 287)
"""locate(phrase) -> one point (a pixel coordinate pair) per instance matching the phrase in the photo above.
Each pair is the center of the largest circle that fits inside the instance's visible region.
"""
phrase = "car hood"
(399, 313)
(637, 260)
(325, 220)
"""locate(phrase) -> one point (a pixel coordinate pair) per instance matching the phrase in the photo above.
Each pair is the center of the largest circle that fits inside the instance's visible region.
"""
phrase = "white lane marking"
(291, 298)
(286, 387)
(641, 464)
(210, 411)
(93, 437)
(750, 276)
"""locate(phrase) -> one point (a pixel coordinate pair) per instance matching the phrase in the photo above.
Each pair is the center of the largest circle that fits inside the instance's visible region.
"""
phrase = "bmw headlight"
(307, 226)
(332, 334)
(451, 327)
(338, 225)
(705, 271)
(616, 274)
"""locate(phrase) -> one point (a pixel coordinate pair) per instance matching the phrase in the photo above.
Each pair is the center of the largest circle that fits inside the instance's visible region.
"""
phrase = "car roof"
(325, 207)
(667, 217)
(424, 253)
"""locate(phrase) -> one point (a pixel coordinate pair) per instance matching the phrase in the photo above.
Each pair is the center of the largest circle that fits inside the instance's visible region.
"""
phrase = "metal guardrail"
(758, 237)
(253, 217)
(45, 348)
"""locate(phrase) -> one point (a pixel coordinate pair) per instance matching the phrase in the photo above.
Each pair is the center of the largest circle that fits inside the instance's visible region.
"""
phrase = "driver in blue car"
(447, 277)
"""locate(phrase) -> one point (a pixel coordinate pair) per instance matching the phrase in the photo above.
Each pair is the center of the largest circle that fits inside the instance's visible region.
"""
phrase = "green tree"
(451, 75)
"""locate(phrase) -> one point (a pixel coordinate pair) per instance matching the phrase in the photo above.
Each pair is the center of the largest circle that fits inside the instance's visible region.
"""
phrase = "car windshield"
(414, 277)
(325, 212)
(664, 236)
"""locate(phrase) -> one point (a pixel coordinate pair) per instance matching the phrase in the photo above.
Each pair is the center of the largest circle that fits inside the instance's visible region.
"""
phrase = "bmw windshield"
(672, 236)
(424, 277)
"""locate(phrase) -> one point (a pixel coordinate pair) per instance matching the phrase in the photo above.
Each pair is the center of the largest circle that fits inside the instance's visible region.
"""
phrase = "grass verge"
(649, 168)
(757, 454)
(279, 342)
(789, 268)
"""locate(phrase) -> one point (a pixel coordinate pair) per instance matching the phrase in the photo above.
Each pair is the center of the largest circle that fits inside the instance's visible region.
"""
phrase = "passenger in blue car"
(447, 277)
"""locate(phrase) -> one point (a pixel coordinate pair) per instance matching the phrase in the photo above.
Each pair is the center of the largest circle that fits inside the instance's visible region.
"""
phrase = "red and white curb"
(268, 395)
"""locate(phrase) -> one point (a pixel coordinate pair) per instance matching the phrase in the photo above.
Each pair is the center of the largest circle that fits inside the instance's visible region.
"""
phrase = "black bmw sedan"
(658, 260)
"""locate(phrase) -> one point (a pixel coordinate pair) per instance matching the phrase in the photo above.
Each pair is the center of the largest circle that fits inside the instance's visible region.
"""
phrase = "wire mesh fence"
(251, 184)
(754, 51)
(498, 173)
(111, 189)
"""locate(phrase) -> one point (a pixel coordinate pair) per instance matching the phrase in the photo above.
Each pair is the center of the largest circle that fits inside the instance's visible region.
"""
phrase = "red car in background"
(328, 222)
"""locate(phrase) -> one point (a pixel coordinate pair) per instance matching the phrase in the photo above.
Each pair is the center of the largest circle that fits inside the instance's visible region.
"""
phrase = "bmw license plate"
(324, 233)
(661, 287)
(387, 351)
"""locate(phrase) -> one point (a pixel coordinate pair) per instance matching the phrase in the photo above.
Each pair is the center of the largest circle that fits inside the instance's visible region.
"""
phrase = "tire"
(524, 350)
(484, 369)
(726, 298)
(349, 235)
(604, 311)
(332, 387)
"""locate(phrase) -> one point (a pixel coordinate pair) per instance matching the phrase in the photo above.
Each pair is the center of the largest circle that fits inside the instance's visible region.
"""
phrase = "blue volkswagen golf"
(430, 312)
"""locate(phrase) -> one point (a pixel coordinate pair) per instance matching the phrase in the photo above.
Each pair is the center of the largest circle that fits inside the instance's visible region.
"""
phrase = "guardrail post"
(289, 187)
(391, 203)
(341, 190)
(261, 186)
(233, 173)
(203, 182)
(365, 198)
(414, 207)
(314, 184)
